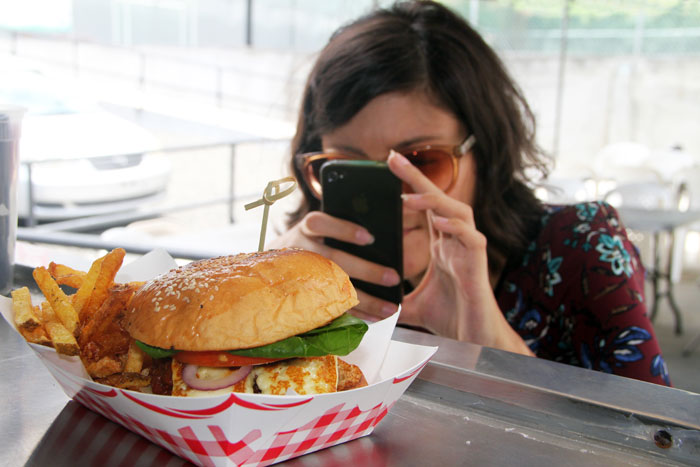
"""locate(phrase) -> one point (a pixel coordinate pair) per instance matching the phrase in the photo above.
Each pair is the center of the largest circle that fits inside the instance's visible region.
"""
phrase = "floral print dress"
(577, 295)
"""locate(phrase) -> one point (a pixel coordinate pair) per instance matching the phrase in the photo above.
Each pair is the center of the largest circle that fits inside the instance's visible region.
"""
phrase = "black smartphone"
(368, 194)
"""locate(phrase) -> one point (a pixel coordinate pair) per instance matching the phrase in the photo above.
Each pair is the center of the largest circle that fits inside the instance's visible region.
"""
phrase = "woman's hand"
(454, 297)
(309, 234)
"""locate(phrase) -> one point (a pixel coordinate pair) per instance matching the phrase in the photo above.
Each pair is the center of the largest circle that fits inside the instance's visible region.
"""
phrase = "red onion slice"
(231, 377)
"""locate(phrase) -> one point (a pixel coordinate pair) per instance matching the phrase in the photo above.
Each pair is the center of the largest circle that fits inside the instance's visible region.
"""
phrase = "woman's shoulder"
(580, 226)
(591, 231)
(581, 216)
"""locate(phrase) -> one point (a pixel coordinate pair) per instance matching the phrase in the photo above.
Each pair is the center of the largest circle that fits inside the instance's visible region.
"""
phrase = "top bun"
(238, 302)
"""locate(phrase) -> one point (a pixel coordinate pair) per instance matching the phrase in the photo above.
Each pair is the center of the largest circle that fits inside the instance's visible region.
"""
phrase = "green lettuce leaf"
(156, 352)
(339, 337)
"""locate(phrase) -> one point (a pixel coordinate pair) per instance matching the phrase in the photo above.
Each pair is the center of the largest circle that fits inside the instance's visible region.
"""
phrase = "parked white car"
(83, 159)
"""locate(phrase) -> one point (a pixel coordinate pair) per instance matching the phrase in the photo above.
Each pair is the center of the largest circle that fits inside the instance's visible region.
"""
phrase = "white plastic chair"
(557, 190)
(568, 183)
(622, 161)
(648, 194)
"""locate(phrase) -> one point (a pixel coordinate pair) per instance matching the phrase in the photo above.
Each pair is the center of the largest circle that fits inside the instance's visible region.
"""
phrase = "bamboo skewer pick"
(267, 199)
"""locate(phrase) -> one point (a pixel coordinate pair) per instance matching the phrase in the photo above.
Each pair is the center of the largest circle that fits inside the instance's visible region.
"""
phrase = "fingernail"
(410, 196)
(390, 277)
(440, 220)
(363, 237)
(401, 159)
(389, 309)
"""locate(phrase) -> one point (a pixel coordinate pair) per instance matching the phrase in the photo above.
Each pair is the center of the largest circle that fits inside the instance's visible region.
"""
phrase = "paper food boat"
(247, 429)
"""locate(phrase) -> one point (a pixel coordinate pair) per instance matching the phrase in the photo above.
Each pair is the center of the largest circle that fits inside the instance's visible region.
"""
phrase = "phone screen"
(368, 194)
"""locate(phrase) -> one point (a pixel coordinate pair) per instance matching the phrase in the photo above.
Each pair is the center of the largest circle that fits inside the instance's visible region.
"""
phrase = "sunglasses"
(440, 164)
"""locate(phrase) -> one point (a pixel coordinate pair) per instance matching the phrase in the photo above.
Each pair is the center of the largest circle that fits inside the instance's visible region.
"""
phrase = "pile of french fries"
(85, 323)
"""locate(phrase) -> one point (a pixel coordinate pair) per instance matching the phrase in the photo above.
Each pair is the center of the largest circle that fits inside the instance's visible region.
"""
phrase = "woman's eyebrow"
(418, 139)
(348, 148)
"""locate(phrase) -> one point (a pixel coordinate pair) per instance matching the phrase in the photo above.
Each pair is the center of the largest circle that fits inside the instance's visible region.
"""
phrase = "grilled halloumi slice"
(311, 375)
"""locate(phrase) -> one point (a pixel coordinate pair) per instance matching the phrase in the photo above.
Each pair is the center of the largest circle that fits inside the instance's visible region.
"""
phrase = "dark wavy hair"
(423, 46)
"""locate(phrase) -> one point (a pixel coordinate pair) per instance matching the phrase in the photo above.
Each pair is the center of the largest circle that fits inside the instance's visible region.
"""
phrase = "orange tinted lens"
(313, 174)
(312, 170)
(436, 164)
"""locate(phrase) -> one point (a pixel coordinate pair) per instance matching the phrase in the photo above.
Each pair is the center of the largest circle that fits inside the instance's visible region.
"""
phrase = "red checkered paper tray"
(247, 429)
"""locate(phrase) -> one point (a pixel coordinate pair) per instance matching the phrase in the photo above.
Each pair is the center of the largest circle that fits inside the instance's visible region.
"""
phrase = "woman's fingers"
(426, 196)
(372, 308)
(440, 204)
(320, 224)
(309, 234)
(409, 173)
(362, 269)
(354, 266)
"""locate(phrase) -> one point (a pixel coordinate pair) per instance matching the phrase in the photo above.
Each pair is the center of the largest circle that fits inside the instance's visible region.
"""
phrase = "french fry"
(133, 381)
(100, 327)
(83, 294)
(134, 358)
(111, 263)
(87, 323)
(65, 275)
(103, 367)
(38, 334)
(63, 340)
(22, 308)
(58, 300)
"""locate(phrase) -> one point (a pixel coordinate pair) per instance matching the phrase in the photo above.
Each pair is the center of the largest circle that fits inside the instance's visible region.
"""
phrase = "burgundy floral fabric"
(577, 295)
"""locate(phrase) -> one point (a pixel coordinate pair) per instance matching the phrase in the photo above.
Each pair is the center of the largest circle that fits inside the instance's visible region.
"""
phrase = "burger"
(271, 322)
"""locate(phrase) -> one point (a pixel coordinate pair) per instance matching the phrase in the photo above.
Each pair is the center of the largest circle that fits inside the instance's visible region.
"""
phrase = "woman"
(484, 260)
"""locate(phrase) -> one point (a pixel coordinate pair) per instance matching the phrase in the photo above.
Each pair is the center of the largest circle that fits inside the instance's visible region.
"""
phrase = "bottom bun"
(311, 375)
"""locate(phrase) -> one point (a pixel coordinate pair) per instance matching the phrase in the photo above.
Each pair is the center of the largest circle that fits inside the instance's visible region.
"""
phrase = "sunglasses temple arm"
(467, 144)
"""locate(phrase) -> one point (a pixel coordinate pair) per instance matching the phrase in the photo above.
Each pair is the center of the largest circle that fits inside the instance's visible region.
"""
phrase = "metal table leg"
(655, 276)
(691, 345)
(669, 285)
(658, 276)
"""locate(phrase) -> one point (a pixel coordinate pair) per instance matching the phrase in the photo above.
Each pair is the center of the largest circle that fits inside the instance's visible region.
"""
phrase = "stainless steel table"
(470, 406)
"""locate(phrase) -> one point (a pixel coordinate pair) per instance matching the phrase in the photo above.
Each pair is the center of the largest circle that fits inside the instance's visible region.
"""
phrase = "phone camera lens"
(332, 176)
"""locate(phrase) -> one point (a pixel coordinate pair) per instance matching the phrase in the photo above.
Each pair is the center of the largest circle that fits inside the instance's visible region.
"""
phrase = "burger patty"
(161, 377)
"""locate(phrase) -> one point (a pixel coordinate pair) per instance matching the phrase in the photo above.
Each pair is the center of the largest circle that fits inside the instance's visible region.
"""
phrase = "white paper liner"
(247, 429)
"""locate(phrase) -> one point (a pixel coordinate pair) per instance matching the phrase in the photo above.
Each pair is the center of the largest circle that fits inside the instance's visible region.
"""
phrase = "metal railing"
(72, 232)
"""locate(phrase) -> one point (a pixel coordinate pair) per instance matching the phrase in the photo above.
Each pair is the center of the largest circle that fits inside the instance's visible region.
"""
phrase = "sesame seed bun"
(238, 302)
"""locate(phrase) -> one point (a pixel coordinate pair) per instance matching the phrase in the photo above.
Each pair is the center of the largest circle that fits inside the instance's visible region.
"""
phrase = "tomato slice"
(219, 358)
